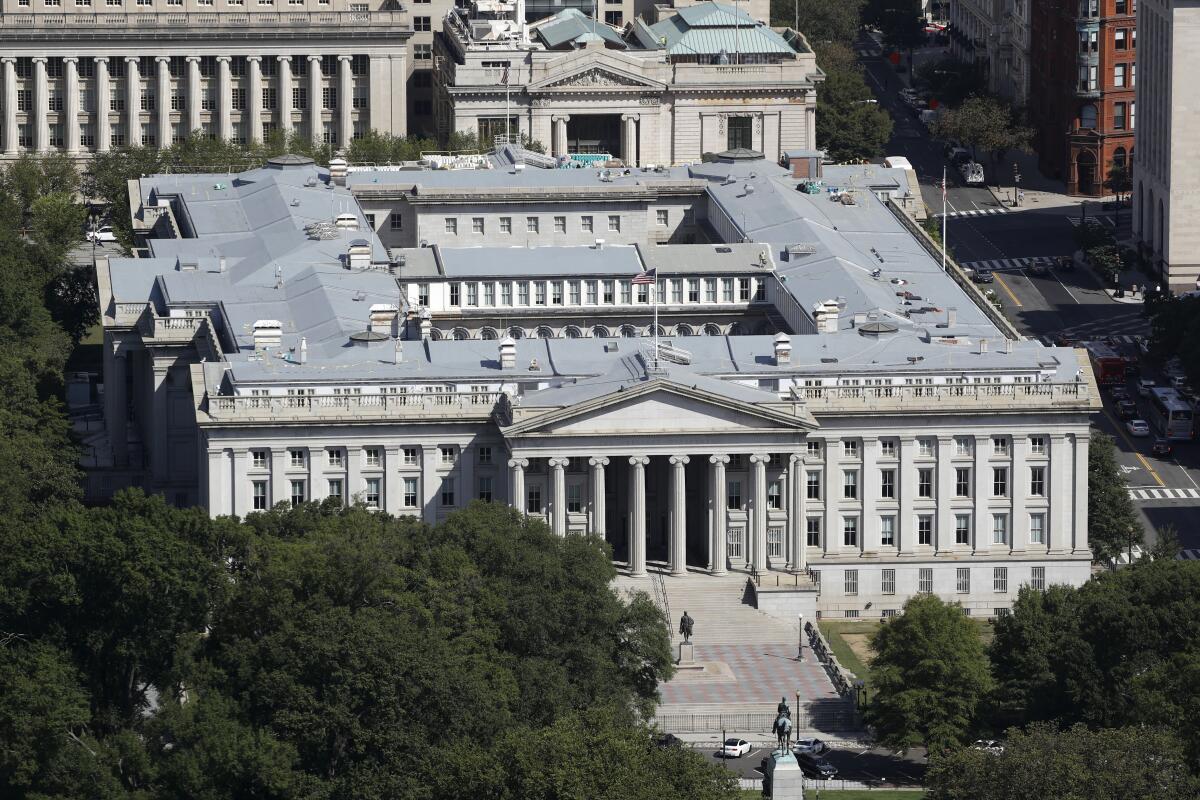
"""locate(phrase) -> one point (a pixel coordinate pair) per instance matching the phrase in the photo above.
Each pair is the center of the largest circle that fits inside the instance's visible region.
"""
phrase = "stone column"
(717, 502)
(758, 514)
(254, 99)
(163, 92)
(11, 142)
(629, 148)
(285, 94)
(117, 405)
(1019, 486)
(982, 541)
(314, 99)
(1080, 543)
(345, 101)
(906, 523)
(225, 108)
(71, 129)
(242, 503)
(392, 481)
(830, 533)
(516, 471)
(870, 488)
(193, 94)
(598, 523)
(677, 515)
(796, 530)
(133, 101)
(637, 515)
(41, 106)
(810, 127)
(560, 135)
(943, 523)
(103, 104)
(558, 508)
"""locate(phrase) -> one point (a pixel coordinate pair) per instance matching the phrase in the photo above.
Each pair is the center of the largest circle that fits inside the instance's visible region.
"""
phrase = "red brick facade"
(1082, 73)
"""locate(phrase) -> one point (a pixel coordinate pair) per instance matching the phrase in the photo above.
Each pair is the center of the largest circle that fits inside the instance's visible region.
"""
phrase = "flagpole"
(656, 319)
(945, 218)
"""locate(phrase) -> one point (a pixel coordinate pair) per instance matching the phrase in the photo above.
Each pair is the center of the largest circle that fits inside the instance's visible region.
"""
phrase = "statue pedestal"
(784, 777)
(687, 657)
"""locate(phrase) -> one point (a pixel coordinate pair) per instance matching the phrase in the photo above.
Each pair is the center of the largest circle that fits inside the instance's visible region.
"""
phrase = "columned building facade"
(78, 81)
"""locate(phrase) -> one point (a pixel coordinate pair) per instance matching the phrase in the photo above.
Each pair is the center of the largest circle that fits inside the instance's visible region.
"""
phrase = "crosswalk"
(1002, 264)
(1090, 220)
(864, 52)
(1188, 555)
(1165, 494)
(1121, 328)
(975, 212)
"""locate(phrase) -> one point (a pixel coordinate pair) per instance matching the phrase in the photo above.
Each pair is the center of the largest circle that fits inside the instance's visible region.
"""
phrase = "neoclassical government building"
(819, 400)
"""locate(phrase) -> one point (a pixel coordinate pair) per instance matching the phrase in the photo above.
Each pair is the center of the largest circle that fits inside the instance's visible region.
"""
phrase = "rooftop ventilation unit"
(346, 221)
(321, 230)
(267, 333)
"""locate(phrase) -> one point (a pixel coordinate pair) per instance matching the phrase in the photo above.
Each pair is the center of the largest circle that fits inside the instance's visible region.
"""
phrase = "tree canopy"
(850, 125)
(820, 21)
(1112, 520)
(983, 123)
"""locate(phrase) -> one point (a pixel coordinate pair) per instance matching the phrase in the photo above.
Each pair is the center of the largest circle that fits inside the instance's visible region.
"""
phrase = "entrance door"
(741, 133)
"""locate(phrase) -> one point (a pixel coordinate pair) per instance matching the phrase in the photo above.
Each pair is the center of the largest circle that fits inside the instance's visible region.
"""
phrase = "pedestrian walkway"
(1076, 221)
(975, 212)
(1165, 494)
(1189, 555)
(1003, 264)
(1131, 328)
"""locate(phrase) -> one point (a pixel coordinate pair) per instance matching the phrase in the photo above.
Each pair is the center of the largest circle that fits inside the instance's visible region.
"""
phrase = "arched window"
(600, 332)
(1087, 116)
(487, 334)
(572, 332)
(1119, 157)
(435, 334)
(684, 330)
(628, 331)
(460, 334)
(516, 332)
(712, 330)
(545, 333)
(735, 329)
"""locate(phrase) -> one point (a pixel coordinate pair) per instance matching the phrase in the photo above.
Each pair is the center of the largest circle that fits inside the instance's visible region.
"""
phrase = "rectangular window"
(1118, 118)
(334, 456)
(775, 495)
(506, 224)
(1119, 75)
(258, 458)
(813, 485)
(260, 495)
(887, 448)
(335, 490)
(962, 446)
(925, 483)
(410, 456)
(888, 584)
(775, 542)
(850, 531)
(925, 447)
(422, 52)
(1037, 445)
(999, 481)
(614, 223)
(452, 225)
(539, 293)
(299, 98)
(455, 294)
(1037, 528)
(484, 455)
(851, 581)
(887, 486)
(733, 542)
(743, 289)
(397, 221)
(410, 492)
(374, 456)
(447, 454)
(609, 297)
(999, 529)
(585, 223)
(574, 498)
(850, 448)
(1120, 39)
(726, 290)
(693, 290)
(964, 580)
(447, 492)
(422, 24)
(887, 531)
(506, 293)
(962, 528)
(710, 290)
(660, 216)
(813, 448)
(733, 494)
(477, 225)
(523, 293)
(485, 488)
(372, 493)
(575, 292)
(626, 292)
(297, 457)
(1037, 578)
(813, 531)
(297, 493)
(531, 224)
(925, 529)
(1000, 579)
(1037, 481)
(962, 482)
(925, 580)
(850, 484)
(1000, 445)
(560, 224)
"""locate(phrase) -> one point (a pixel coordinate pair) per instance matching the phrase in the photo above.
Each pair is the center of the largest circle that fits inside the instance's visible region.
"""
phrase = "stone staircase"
(718, 604)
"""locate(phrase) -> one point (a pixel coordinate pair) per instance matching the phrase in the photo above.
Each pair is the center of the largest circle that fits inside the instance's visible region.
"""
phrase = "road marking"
(1070, 294)
(1121, 431)
(1165, 494)
(1004, 285)
(974, 212)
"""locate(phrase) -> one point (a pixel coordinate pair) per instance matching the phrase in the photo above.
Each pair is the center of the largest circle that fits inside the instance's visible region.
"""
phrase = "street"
(1058, 306)
(860, 764)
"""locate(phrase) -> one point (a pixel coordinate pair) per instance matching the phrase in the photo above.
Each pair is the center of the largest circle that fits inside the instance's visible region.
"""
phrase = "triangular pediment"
(658, 408)
(593, 74)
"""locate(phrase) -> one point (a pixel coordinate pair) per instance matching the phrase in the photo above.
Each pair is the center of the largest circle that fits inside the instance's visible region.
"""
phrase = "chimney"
(267, 333)
(337, 171)
(825, 315)
(303, 350)
(384, 318)
(599, 244)
(358, 256)
(346, 221)
(508, 353)
(221, 264)
(399, 351)
(426, 326)
(983, 346)
(783, 349)
(951, 317)
(1007, 345)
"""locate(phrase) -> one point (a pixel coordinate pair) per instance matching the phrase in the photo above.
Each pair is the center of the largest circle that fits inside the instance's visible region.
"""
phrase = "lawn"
(853, 794)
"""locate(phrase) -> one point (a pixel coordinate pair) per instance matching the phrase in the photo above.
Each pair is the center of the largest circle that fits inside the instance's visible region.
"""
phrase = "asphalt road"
(983, 232)
(864, 764)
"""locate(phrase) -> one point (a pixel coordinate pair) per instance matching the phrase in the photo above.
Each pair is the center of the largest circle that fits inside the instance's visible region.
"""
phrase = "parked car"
(1179, 381)
(1039, 267)
(1161, 447)
(1062, 340)
(1126, 409)
(1138, 427)
(1144, 385)
(1066, 263)
(735, 748)
(982, 276)
(816, 767)
(102, 234)
(989, 746)
(972, 172)
(1120, 393)
(814, 746)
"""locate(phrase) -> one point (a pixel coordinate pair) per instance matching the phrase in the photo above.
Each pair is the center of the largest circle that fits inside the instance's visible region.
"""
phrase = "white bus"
(1170, 414)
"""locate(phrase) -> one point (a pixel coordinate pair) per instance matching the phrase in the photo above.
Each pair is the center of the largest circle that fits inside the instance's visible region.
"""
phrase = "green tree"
(984, 123)
(930, 674)
(1072, 763)
(1112, 520)
(107, 181)
(56, 223)
(850, 124)
(820, 21)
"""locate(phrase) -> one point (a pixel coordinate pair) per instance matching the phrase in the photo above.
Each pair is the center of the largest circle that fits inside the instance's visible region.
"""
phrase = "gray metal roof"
(571, 25)
(715, 28)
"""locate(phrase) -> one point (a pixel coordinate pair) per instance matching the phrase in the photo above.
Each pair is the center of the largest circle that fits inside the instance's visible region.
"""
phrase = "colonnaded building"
(819, 399)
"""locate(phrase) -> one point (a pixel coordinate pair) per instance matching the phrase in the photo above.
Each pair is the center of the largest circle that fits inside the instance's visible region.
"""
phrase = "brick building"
(1081, 104)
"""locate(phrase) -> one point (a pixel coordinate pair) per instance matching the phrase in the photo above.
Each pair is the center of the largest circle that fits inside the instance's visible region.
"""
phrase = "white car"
(1144, 385)
(1138, 427)
(814, 746)
(102, 234)
(735, 748)
(972, 172)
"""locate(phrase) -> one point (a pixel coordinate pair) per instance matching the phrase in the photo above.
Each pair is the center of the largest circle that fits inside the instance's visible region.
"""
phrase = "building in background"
(1166, 171)
(704, 78)
(994, 34)
(1082, 101)
(80, 79)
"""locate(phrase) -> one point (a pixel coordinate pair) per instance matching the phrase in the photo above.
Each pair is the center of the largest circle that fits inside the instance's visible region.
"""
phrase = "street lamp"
(1016, 185)
(93, 226)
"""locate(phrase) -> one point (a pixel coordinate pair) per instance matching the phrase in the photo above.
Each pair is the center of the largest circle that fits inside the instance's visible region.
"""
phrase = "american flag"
(647, 277)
